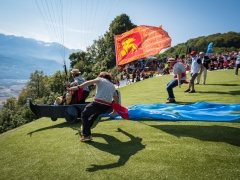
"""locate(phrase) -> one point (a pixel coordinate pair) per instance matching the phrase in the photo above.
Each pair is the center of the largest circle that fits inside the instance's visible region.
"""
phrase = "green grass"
(221, 86)
(123, 149)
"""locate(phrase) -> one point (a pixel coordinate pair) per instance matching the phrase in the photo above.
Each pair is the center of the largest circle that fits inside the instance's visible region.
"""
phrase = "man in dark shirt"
(205, 65)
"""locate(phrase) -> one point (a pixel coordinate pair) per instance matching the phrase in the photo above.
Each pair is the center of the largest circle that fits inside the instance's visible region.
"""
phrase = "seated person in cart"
(79, 96)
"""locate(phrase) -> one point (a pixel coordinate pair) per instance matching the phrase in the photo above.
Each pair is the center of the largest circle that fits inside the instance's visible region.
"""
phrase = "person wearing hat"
(196, 69)
(78, 80)
(179, 73)
(205, 65)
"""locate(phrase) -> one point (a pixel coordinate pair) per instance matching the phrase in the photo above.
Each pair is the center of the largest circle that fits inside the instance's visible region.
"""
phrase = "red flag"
(140, 42)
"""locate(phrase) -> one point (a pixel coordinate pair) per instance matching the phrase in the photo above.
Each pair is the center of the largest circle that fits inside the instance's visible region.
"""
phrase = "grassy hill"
(222, 86)
(123, 149)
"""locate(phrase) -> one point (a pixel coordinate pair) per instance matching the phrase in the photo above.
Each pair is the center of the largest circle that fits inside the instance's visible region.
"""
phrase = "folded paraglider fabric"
(201, 111)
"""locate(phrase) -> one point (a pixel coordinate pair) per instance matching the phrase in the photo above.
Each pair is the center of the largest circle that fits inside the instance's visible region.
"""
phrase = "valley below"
(10, 88)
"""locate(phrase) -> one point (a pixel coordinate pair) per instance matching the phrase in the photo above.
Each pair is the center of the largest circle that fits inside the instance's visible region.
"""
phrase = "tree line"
(226, 42)
(100, 56)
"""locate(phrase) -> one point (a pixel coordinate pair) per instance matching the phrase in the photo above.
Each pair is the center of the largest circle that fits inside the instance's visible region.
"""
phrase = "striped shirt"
(78, 81)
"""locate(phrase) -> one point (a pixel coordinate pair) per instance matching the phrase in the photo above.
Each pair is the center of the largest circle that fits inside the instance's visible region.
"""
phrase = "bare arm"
(87, 83)
(179, 77)
(115, 99)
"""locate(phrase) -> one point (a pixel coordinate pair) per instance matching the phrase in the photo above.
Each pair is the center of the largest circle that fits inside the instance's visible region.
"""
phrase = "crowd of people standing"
(143, 69)
(199, 64)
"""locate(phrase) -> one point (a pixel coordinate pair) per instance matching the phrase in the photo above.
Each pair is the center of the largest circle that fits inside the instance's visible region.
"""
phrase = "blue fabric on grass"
(201, 111)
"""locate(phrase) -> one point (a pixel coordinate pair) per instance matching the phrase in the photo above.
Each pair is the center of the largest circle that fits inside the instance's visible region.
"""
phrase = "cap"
(193, 52)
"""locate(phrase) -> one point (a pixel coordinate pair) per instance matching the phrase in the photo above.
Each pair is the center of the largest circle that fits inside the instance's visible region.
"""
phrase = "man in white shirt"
(196, 69)
(105, 92)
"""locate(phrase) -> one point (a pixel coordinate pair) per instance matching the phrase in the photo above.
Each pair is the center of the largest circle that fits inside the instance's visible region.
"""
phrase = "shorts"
(192, 78)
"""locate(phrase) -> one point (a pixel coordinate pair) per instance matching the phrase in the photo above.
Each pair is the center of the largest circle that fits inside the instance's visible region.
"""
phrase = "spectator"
(237, 63)
(121, 77)
(131, 68)
(78, 80)
(166, 69)
(159, 68)
(151, 74)
(138, 75)
(225, 64)
(179, 73)
(134, 74)
(128, 79)
(211, 64)
(196, 68)
(220, 61)
(205, 65)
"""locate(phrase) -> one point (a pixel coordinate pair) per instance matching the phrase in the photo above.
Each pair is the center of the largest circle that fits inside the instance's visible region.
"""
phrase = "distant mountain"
(21, 68)
(19, 57)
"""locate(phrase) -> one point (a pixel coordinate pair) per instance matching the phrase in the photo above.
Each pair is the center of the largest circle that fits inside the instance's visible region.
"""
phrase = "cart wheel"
(71, 114)
(53, 119)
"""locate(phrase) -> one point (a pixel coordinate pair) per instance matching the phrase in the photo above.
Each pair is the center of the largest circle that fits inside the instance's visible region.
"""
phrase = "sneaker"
(196, 83)
(171, 101)
(86, 139)
(187, 90)
(192, 91)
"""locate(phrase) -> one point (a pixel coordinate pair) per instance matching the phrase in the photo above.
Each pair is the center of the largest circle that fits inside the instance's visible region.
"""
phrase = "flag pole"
(116, 59)
(118, 82)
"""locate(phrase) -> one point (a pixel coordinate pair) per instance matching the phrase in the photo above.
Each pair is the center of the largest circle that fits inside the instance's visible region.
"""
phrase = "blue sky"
(78, 22)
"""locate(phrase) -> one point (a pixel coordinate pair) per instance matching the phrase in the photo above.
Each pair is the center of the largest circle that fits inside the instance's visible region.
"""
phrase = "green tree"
(7, 114)
(119, 25)
(22, 97)
(56, 82)
(99, 51)
(14, 114)
(38, 88)
(225, 42)
(82, 61)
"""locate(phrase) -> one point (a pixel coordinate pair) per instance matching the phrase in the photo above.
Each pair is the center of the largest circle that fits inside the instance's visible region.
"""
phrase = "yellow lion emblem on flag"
(128, 46)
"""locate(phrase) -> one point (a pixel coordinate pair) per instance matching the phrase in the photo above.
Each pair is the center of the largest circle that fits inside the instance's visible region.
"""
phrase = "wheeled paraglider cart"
(69, 112)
